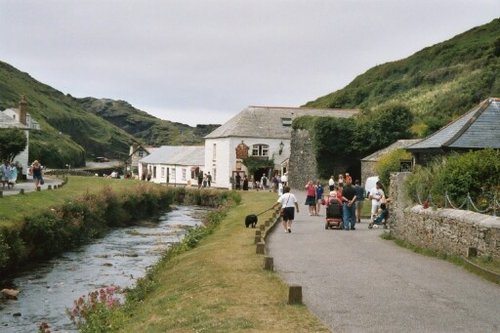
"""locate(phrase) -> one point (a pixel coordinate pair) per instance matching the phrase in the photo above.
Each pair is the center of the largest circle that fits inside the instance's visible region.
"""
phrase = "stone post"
(260, 248)
(268, 263)
(295, 294)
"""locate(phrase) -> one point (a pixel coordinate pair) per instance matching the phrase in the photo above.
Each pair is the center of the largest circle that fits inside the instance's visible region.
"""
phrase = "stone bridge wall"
(450, 231)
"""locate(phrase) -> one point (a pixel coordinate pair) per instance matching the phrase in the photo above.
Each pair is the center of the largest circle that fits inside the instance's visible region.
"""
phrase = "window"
(286, 122)
(184, 173)
(214, 175)
(140, 153)
(260, 150)
(214, 152)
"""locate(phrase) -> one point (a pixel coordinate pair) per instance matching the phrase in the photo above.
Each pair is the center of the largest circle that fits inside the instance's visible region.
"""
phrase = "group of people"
(204, 179)
(350, 196)
(8, 174)
(275, 184)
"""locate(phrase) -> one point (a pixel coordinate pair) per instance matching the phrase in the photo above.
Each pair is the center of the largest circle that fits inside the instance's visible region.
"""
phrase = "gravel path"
(355, 281)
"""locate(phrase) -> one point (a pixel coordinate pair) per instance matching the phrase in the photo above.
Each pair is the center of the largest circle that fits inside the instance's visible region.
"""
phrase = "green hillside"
(149, 129)
(70, 132)
(438, 83)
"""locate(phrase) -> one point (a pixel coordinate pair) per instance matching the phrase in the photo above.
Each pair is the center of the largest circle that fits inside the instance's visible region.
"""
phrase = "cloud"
(218, 56)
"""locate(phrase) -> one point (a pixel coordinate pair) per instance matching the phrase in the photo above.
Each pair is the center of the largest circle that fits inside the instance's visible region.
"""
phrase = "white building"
(260, 132)
(174, 165)
(19, 118)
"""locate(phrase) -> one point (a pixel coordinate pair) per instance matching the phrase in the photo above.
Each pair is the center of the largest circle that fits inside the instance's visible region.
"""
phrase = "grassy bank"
(218, 286)
(42, 224)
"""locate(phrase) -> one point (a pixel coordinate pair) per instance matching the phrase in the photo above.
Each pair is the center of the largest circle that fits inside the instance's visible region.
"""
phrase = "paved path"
(354, 281)
(29, 186)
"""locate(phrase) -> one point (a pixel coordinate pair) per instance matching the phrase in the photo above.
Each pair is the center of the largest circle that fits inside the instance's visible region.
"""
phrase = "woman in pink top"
(311, 198)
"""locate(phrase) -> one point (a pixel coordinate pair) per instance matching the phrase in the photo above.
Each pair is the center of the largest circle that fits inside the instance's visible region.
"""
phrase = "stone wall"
(302, 165)
(448, 231)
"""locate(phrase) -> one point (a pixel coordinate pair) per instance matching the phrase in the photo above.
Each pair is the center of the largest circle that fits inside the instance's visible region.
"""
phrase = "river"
(48, 289)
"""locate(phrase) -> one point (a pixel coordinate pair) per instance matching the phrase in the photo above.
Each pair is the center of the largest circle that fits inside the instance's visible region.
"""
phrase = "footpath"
(29, 186)
(355, 281)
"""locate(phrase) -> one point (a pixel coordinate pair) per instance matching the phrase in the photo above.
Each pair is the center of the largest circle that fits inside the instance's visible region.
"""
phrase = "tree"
(12, 142)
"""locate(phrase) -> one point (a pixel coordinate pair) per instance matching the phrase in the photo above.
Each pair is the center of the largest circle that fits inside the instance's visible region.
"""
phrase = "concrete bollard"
(295, 294)
(471, 252)
(268, 263)
(262, 227)
(258, 233)
(21, 191)
(260, 248)
(267, 223)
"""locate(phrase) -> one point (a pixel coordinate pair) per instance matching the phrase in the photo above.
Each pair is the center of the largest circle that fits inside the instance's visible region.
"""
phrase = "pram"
(333, 214)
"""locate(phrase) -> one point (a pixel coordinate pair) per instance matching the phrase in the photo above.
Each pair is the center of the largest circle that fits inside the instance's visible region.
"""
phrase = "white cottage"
(173, 165)
(260, 132)
(19, 118)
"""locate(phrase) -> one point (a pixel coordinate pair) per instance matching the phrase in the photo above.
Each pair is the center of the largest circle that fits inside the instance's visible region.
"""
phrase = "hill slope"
(438, 83)
(149, 129)
(70, 133)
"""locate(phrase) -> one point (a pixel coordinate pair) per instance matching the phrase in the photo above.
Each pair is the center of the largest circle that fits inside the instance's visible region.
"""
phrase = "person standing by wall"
(288, 204)
(349, 200)
(209, 179)
(360, 199)
(376, 195)
(4, 171)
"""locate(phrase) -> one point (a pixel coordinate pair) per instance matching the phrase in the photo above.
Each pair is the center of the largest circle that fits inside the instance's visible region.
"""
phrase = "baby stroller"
(333, 214)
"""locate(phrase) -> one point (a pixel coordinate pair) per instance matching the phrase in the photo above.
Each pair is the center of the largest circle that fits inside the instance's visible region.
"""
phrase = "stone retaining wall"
(448, 231)
(302, 165)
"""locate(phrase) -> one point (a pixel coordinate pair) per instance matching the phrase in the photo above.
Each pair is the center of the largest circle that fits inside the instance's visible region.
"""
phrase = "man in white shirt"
(377, 196)
(288, 204)
(331, 183)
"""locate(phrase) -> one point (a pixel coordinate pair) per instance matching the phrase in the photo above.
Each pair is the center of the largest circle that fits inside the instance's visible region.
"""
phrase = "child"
(382, 215)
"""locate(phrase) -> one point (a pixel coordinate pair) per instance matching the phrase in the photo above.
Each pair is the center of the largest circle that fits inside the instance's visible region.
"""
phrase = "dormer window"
(286, 122)
(260, 150)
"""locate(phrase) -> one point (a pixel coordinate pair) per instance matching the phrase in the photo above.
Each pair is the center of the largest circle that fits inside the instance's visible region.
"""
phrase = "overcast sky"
(203, 61)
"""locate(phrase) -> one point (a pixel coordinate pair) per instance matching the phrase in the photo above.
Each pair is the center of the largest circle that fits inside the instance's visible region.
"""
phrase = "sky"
(203, 61)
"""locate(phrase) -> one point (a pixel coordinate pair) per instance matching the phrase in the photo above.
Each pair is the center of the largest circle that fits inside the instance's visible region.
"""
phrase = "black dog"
(251, 220)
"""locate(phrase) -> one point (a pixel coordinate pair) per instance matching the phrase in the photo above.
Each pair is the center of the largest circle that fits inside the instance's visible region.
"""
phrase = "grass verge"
(486, 267)
(218, 286)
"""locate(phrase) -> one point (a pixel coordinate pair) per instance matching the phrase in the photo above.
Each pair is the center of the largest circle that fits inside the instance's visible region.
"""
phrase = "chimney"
(23, 106)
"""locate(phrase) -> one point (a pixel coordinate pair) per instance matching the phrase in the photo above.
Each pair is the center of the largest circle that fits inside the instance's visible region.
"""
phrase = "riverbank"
(217, 286)
(42, 224)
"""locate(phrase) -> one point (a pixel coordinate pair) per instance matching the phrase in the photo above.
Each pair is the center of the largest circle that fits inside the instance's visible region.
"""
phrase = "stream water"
(48, 289)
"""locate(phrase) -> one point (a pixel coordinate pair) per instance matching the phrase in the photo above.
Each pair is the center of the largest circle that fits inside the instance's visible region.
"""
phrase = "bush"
(476, 173)
(390, 162)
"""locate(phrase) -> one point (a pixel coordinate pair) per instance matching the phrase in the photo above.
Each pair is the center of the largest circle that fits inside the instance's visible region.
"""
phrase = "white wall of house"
(23, 158)
(171, 174)
(223, 162)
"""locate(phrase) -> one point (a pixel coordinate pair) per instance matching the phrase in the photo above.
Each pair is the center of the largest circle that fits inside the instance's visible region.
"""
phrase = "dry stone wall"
(302, 165)
(448, 231)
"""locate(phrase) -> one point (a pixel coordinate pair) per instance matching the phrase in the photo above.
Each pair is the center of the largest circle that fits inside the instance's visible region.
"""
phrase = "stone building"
(262, 133)
(477, 129)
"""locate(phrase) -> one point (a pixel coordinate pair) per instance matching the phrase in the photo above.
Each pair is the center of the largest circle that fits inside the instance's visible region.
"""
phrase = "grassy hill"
(149, 129)
(438, 83)
(70, 132)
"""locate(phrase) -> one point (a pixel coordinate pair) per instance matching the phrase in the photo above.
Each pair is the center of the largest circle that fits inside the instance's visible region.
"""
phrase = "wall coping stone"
(469, 217)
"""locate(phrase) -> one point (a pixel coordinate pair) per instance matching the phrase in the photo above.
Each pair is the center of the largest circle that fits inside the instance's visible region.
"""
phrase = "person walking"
(209, 179)
(319, 196)
(5, 171)
(331, 184)
(12, 176)
(289, 204)
(348, 209)
(360, 199)
(36, 172)
(311, 198)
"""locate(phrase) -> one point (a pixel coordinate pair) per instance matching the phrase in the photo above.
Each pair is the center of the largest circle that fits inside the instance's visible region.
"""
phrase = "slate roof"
(9, 122)
(176, 155)
(477, 129)
(267, 122)
(403, 143)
